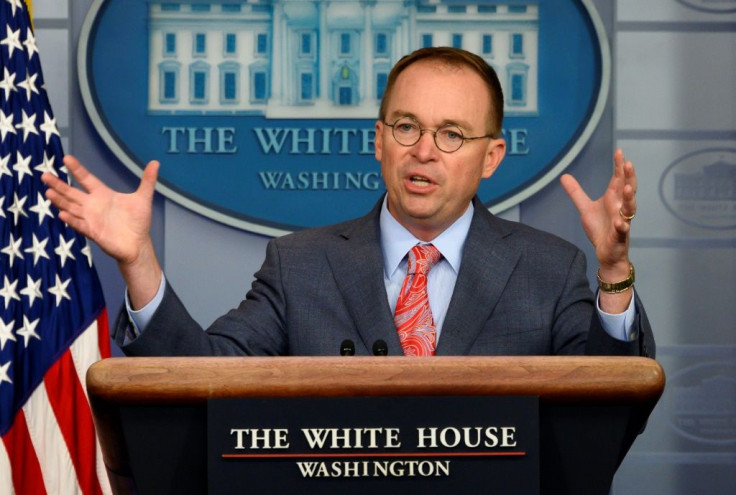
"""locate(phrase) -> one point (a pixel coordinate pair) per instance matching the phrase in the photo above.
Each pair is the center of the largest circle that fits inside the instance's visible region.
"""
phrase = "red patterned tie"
(412, 317)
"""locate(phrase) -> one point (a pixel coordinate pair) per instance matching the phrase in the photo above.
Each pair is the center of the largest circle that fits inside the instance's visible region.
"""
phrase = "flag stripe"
(103, 336)
(101, 470)
(6, 473)
(86, 349)
(56, 466)
(74, 418)
(26, 476)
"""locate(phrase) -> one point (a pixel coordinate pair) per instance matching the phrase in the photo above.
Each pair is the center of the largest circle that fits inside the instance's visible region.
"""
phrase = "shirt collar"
(396, 240)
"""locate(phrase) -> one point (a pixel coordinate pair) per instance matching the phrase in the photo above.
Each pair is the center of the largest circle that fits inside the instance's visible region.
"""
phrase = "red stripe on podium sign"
(374, 455)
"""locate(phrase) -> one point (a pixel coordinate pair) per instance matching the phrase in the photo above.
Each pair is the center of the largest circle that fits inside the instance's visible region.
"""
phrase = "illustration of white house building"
(324, 58)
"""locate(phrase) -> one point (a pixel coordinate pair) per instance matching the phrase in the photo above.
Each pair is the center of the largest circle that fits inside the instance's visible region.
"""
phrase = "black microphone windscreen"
(347, 348)
(380, 348)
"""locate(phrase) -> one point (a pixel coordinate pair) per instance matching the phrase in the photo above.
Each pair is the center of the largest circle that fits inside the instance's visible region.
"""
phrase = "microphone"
(380, 348)
(347, 348)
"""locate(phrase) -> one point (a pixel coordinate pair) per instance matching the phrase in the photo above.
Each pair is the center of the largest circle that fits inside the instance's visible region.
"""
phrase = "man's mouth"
(420, 181)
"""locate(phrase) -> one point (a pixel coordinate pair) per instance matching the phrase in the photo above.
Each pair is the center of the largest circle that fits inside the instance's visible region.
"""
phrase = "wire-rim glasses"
(448, 138)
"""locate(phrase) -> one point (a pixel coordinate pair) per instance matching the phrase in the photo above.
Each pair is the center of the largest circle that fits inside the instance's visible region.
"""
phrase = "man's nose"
(426, 148)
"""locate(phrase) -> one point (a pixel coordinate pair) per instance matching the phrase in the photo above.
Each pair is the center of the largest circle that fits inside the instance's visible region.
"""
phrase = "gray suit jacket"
(519, 292)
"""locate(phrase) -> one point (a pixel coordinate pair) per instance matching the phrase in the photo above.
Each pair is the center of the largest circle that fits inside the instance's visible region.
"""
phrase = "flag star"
(48, 126)
(4, 373)
(87, 251)
(32, 289)
(30, 43)
(59, 290)
(22, 166)
(8, 82)
(14, 4)
(12, 39)
(47, 165)
(64, 250)
(42, 208)
(28, 125)
(13, 249)
(38, 249)
(29, 85)
(4, 170)
(17, 207)
(28, 330)
(6, 333)
(6, 125)
(8, 292)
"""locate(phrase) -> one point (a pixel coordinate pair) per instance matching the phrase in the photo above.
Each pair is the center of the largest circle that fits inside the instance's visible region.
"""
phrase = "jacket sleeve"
(255, 327)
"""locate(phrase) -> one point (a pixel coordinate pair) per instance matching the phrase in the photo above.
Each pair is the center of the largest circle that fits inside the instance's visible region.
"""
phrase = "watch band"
(616, 287)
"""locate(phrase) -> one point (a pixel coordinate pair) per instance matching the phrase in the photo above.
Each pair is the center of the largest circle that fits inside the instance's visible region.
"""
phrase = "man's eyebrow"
(398, 114)
(455, 123)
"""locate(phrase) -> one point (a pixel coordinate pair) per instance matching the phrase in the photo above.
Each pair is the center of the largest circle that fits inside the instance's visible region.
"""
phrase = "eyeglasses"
(448, 138)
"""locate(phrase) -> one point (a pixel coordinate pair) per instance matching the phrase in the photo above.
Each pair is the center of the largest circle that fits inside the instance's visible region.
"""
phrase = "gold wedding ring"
(628, 219)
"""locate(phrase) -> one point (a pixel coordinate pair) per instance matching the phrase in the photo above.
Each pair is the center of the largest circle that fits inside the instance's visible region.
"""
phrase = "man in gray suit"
(499, 287)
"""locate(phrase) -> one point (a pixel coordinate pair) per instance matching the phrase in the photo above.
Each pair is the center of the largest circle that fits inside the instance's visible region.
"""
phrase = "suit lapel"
(487, 264)
(357, 263)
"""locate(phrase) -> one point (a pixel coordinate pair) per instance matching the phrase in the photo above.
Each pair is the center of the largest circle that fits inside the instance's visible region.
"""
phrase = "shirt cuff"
(619, 326)
(139, 319)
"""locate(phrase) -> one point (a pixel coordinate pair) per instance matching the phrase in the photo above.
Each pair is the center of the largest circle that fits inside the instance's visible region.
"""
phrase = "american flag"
(53, 321)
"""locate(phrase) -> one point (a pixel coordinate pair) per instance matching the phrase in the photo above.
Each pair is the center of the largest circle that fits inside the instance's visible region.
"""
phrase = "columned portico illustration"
(324, 58)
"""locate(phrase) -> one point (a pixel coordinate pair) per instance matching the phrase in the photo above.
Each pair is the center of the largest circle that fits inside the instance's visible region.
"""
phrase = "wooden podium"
(150, 413)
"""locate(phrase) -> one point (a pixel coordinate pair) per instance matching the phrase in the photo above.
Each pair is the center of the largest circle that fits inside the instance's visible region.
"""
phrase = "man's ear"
(378, 140)
(495, 153)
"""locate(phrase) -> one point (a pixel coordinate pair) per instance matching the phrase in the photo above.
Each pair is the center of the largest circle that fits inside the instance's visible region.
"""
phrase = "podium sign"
(368, 445)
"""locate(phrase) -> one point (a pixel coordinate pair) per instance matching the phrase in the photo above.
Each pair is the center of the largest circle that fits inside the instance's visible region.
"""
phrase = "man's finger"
(53, 181)
(630, 176)
(619, 162)
(59, 200)
(148, 180)
(628, 197)
(576, 193)
(78, 224)
(61, 194)
(83, 176)
(622, 229)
